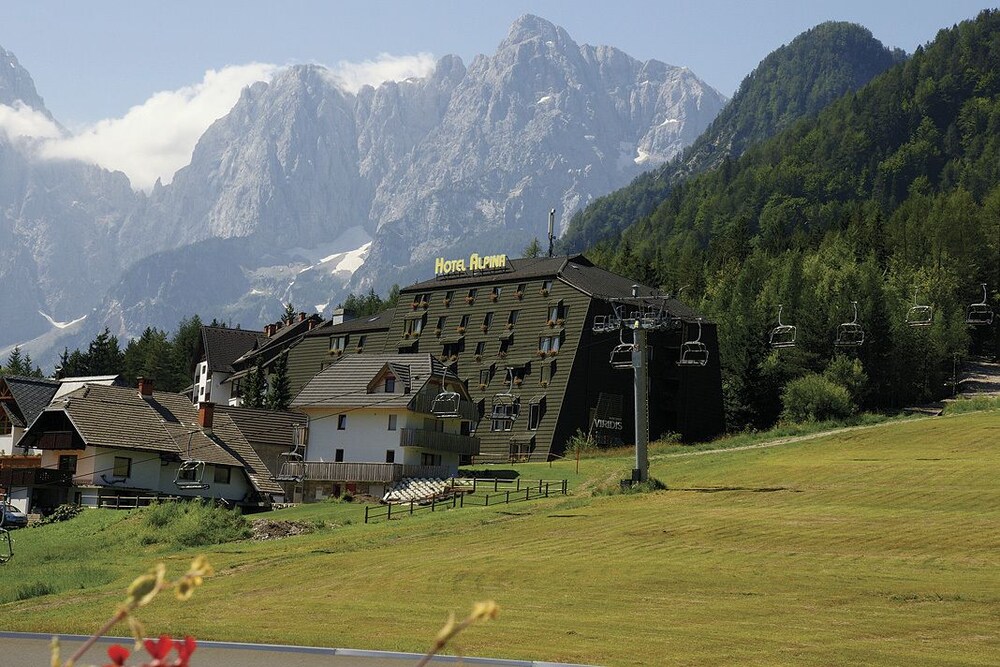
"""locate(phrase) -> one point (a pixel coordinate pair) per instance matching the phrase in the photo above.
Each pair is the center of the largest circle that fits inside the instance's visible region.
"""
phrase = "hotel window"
(465, 322)
(495, 293)
(361, 342)
(420, 299)
(449, 297)
(546, 287)
(504, 416)
(390, 388)
(341, 422)
(480, 348)
(338, 456)
(441, 323)
(472, 295)
(545, 372)
(123, 467)
(392, 422)
(555, 312)
(338, 343)
(223, 475)
(487, 320)
(534, 414)
(484, 376)
(512, 318)
(452, 349)
(414, 326)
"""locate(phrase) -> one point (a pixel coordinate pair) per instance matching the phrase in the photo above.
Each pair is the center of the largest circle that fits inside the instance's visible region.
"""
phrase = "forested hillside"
(890, 190)
(794, 81)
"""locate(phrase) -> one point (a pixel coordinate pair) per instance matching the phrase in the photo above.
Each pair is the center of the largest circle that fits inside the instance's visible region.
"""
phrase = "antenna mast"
(552, 229)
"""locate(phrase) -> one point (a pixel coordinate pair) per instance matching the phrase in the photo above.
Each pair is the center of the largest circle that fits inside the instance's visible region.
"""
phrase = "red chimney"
(145, 386)
(206, 414)
(302, 317)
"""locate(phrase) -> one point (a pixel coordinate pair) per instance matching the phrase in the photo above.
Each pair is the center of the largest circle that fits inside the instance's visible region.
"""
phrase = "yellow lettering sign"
(477, 262)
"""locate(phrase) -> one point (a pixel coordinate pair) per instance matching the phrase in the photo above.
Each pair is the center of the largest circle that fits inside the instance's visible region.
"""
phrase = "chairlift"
(850, 334)
(506, 405)
(694, 352)
(445, 405)
(6, 545)
(979, 314)
(291, 466)
(191, 472)
(621, 354)
(919, 315)
(782, 335)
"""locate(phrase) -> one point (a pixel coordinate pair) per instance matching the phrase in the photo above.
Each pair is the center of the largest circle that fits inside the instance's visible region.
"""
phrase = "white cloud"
(21, 120)
(155, 139)
(386, 67)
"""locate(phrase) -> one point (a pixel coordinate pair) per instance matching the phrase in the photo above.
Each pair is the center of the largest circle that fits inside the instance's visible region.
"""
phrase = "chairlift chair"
(445, 405)
(850, 334)
(291, 467)
(694, 352)
(782, 335)
(191, 472)
(621, 354)
(979, 314)
(6, 546)
(506, 405)
(919, 315)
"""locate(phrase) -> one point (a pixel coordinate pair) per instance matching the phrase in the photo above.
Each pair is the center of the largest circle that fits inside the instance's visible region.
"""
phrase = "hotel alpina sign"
(476, 262)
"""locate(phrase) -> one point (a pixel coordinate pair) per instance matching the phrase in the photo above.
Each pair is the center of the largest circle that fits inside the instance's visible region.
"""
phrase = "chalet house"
(278, 339)
(375, 418)
(115, 444)
(218, 348)
(21, 400)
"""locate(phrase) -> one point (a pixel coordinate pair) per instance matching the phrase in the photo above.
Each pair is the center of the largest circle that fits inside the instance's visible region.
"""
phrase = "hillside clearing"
(871, 546)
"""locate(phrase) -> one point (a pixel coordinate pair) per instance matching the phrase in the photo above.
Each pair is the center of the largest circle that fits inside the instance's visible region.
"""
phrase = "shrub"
(194, 523)
(849, 374)
(815, 398)
(61, 513)
(580, 443)
(34, 589)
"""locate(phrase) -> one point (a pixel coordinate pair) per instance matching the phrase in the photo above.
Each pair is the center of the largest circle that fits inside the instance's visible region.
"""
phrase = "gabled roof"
(346, 383)
(267, 427)
(285, 337)
(222, 346)
(164, 423)
(31, 395)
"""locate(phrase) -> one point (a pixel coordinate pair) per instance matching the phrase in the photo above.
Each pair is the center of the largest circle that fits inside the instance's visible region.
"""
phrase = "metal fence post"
(366, 513)
(388, 511)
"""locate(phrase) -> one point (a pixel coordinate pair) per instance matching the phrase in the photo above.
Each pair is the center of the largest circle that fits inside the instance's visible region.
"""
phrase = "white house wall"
(365, 440)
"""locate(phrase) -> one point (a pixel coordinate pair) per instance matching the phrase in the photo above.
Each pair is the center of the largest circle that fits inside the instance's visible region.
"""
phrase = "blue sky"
(138, 81)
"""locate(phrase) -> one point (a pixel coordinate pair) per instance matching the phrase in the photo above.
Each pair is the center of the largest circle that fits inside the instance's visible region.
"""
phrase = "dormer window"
(338, 344)
(471, 298)
(546, 287)
(390, 384)
(487, 321)
(449, 297)
(420, 300)
(495, 293)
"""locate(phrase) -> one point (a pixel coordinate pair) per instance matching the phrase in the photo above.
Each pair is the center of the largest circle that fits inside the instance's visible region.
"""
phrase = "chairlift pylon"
(6, 543)
(694, 352)
(919, 315)
(445, 405)
(783, 335)
(981, 313)
(850, 334)
(191, 472)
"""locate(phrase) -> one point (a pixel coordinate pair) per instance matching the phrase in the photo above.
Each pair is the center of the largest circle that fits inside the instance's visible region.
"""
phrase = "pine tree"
(279, 392)
(254, 389)
(532, 250)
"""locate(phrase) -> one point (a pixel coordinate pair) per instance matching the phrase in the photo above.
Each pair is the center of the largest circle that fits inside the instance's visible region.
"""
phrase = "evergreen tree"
(183, 345)
(15, 363)
(148, 356)
(254, 388)
(532, 250)
(279, 391)
(103, 355)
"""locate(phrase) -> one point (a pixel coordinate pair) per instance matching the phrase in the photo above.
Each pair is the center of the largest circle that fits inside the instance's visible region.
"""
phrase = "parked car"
(13, 517)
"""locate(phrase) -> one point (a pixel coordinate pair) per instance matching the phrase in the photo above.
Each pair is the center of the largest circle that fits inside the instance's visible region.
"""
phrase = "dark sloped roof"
(285, 337)
(223, 346)
(268, 427)
(378, 322)
(32, 395)
(345, 383)
(165, 423)
(576, 271)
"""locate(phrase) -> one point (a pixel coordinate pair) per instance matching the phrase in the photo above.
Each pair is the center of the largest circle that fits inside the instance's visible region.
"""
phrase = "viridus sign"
(476, 262)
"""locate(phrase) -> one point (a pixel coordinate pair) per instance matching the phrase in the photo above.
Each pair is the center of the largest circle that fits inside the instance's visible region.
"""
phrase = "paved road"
(18, 649)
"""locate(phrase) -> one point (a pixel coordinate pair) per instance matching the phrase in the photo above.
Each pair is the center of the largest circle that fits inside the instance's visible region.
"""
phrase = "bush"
(34, 590)
(815, 398)
(192, 524)
(61, 513)
(580, 443)
(849, 374)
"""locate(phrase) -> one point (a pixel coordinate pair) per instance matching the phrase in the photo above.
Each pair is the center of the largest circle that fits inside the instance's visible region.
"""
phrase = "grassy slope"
(874, 546)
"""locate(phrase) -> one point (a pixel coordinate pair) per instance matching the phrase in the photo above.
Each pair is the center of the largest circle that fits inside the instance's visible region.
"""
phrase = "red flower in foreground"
(118, 655)
(184, 651)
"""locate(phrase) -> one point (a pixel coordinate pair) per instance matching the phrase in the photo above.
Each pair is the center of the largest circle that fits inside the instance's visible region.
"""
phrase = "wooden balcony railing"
(12, 477)
(436, 440)
(358, 472)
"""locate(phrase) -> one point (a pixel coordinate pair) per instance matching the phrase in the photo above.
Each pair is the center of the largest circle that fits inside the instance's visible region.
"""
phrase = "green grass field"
(876, 546)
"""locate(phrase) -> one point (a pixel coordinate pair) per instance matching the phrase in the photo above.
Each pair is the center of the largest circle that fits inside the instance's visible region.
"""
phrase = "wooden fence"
(504, 491)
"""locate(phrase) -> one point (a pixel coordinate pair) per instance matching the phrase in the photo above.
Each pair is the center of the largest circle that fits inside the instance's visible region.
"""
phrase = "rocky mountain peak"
(16, 84)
